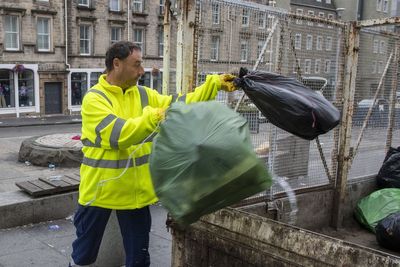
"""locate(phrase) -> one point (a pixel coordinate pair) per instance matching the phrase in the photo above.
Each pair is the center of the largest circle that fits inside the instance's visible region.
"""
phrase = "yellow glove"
(160, 114)
(227, 82)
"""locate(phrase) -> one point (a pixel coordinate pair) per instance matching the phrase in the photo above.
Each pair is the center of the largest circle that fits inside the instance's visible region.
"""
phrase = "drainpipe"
(68, 66)
(66, 33)
(129, 19)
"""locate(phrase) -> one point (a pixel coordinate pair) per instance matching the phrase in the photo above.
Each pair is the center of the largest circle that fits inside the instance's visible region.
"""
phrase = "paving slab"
(48, 244)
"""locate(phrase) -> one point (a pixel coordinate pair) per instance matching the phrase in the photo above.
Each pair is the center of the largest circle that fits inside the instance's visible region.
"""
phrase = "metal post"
(167, 44)
(393, 100)
(185, 46)
(351, 56)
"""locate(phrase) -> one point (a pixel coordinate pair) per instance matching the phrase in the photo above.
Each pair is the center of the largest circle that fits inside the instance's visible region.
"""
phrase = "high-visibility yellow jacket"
(114, 124)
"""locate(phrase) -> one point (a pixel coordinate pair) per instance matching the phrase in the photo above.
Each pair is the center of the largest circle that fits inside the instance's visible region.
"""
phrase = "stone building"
(52, 51)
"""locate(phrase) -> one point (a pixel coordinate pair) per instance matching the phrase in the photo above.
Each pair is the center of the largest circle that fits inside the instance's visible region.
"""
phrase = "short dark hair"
(121, 50)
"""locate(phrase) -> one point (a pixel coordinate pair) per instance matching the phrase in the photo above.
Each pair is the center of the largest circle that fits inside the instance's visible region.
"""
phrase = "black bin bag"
(389, 174)
(388, 232)
(288, 104)
(203, 160)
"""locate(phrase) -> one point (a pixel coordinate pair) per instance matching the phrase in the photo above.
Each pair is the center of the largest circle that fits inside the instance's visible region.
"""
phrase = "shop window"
(26, 90)
(145, 79)
(7, 92)
(79, 82)
(94, 78)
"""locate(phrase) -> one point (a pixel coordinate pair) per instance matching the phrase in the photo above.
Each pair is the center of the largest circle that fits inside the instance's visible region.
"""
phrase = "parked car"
(379, 115)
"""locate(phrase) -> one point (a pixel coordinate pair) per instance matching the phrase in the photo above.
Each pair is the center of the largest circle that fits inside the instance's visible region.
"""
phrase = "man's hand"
(227, 82)
(160, 113)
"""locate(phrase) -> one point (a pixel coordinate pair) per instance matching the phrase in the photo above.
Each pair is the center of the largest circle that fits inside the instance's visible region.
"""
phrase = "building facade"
(52, 51)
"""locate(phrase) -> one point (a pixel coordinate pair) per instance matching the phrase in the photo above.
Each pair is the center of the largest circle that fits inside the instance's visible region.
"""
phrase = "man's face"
(130, 69)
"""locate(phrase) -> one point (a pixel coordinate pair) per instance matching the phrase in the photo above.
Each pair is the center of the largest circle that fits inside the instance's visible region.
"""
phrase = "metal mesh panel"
(375, 96)
(238, 34)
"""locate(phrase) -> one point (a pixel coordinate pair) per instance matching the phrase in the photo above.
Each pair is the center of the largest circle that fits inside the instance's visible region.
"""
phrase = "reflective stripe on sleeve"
(116, 132)
(100, 93)
(144, 99)
(176, 97)
(103, 124)
(115, 164)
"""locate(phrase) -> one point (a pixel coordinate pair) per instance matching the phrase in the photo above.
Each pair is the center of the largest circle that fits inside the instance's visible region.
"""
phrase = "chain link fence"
(235, 34)
(376, 100)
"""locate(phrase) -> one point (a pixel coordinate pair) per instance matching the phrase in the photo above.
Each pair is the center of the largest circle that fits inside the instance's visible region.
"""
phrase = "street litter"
(54, 227)
(55, 178)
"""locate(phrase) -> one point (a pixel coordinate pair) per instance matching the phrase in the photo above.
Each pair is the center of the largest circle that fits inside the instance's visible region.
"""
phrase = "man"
(119, 119)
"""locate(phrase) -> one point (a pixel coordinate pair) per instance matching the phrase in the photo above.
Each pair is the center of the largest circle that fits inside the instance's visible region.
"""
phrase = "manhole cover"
(66, 140)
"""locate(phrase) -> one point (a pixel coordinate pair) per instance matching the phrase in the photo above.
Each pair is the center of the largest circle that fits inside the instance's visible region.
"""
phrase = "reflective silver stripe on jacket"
(115, 164)
(100, 93)
(144, 99)
(103, 124)
(116, 132)
(119, 123)
(176, 96)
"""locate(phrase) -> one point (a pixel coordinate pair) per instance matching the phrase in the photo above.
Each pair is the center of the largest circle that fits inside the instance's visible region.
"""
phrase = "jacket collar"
(112, 88)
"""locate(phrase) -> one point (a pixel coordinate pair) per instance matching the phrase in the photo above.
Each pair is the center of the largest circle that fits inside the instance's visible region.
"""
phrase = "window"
(43, 34)
(245, 18)
(378, 5)
(375, 48)
(231, 13)
(94, 78)
(321, 14)
(137, 6)
(311, 14)
(138, 37)
(330, 16)
(244, 50)
(85, 39)
(328, 1)
(115, 5)
(307, 66)
(319, 42)
(11, 30)
(327, 66)
(26, 93)
(317, 65)
(214, 48)
(380, 67)
(309, 42)
(79, 83)
(161, 41)
(116, 34)
(296, 65)
(262, 20)
(373, 66)
(299, 12)
(83, 3)
(328, 44)
(7, 88)
(297, 41)
(161, 7)
(260, 46)
(216, 11)
(385, 6)
(382, 47)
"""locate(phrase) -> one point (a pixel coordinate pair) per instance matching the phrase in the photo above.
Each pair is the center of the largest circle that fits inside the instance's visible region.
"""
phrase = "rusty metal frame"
(344, 154)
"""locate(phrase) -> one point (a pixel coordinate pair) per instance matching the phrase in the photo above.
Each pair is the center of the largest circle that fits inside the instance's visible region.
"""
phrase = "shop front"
(19, 89)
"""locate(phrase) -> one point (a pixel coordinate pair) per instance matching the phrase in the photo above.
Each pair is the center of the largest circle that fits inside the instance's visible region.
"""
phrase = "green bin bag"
(203, 160)
(377, 206)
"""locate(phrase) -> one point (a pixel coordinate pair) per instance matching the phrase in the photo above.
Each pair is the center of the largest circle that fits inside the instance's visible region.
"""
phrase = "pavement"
(48, 243)
(34, 121)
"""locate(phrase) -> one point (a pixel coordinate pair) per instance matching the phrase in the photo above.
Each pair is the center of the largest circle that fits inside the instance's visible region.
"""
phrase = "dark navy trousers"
(90, 223)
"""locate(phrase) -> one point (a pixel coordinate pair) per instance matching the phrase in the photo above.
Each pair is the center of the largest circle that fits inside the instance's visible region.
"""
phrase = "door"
(52, 98)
